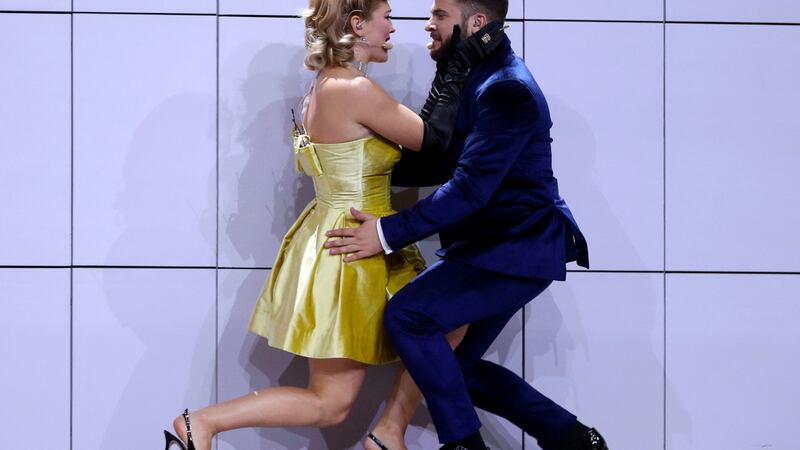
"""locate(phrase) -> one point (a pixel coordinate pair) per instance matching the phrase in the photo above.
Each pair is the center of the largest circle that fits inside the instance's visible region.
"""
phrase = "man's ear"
(476, 22)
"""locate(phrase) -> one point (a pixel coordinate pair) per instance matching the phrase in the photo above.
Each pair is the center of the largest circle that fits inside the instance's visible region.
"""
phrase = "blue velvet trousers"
(443, 298)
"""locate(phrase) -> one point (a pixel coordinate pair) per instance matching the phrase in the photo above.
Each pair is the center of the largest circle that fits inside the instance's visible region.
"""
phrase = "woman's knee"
(455, 337)
(334, 411)
(335, 383)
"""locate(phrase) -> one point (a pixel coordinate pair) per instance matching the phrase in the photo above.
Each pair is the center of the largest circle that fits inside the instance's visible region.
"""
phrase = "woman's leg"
(332, 389)
(402, 404)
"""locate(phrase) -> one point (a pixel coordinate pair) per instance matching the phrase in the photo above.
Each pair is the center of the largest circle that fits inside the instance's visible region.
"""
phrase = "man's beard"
(442, 52)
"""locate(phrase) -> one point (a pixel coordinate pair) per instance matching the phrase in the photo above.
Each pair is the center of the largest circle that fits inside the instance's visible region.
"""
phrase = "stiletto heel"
(172, 439)
(377, 441)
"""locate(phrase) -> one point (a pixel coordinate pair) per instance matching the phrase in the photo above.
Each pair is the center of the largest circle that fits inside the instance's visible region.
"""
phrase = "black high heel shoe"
(377, 441)
(172, 439)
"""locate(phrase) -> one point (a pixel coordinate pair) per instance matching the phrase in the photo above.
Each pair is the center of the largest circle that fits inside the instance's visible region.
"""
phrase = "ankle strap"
(188, 426)
(377, 441)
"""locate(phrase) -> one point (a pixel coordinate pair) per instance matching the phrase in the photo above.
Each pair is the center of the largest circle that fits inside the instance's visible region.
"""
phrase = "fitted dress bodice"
(355, 174)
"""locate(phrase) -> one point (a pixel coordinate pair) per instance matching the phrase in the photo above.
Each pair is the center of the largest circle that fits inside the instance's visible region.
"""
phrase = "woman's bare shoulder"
(339, 96)
(344, 84)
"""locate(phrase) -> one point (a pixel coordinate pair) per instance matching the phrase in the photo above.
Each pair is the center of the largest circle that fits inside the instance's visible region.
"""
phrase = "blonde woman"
(324, 307)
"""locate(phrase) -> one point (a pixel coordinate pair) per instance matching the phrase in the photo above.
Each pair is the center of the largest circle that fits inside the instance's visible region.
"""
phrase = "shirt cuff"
(385, 246)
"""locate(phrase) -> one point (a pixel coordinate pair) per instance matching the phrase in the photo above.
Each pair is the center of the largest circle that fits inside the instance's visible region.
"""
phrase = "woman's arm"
(381, 113)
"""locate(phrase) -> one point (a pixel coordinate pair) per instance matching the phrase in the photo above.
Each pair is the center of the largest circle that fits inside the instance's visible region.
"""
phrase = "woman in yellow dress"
(317, 305)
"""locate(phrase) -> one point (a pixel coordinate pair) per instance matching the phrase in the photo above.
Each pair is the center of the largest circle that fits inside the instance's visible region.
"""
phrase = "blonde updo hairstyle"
(329, 37)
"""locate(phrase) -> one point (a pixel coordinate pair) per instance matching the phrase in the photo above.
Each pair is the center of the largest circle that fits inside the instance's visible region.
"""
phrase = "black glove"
(441, 108)
(441, 71)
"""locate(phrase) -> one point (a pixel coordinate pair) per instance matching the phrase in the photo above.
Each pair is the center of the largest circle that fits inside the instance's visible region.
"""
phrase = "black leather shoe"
(581, 437)
(460, 447)
(594, 441)
(472, 442)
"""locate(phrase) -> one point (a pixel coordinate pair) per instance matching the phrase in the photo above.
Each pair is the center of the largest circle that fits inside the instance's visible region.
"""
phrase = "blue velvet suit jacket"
(498, 207)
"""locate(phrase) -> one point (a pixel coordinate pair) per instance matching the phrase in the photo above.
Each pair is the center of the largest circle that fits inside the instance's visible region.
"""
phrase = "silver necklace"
(360, 66)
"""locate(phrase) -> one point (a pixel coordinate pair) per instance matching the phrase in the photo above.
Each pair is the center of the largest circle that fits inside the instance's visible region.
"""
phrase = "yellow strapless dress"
(315, 304)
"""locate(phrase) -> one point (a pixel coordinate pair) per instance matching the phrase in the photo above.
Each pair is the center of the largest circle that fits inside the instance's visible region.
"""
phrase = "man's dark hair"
(494, 9)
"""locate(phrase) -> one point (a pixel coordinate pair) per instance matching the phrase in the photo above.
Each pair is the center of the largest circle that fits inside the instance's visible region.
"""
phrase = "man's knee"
(402, 317)
(467, 362)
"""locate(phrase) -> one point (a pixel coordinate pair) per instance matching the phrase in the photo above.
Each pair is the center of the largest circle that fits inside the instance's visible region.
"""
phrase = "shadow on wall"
(270, 194)
(153, 168)
(556, 344)
(550, 335)
(159, 174)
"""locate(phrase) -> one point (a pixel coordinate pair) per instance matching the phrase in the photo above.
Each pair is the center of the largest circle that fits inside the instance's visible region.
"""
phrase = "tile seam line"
(216, 224)
(620, 271)
(50, 267)
(513, 20)
(688, 272)
(71, 224)
(664, 223)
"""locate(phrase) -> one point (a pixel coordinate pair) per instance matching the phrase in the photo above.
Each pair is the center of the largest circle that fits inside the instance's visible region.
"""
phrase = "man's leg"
(500, 391)
(444, 297)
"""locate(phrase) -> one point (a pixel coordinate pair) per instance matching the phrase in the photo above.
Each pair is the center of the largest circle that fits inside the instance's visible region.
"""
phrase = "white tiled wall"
(147, 6)
(777, 11)
(733, 117)
(35, 355)
(146, 182)
(595, 345)
(143, 349)
(731, 361)
(263, 7)
(145, 140)
(36, 5)
(595, 9)
(35, 139)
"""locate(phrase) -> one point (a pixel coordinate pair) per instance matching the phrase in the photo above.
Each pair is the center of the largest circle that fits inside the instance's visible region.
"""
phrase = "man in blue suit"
(506, 234)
